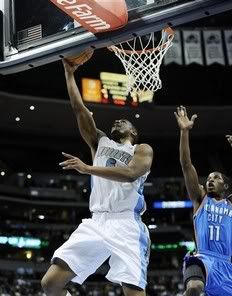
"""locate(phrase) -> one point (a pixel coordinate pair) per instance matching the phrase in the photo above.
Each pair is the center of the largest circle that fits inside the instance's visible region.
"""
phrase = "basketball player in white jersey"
(115, 230)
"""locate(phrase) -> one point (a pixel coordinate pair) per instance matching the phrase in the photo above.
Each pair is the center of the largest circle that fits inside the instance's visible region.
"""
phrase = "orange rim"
(168, 30)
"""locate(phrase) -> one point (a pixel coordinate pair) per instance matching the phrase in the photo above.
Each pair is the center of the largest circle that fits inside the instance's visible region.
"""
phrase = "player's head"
(124, 129)
(218, 184)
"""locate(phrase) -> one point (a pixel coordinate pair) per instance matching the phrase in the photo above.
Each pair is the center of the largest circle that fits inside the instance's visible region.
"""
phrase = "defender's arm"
(190, 175)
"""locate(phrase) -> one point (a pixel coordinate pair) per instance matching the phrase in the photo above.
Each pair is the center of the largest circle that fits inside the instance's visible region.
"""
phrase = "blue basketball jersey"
(213, 226)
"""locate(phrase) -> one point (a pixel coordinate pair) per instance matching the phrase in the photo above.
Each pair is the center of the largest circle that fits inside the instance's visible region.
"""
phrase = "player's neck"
(216, 196)
(125, 141)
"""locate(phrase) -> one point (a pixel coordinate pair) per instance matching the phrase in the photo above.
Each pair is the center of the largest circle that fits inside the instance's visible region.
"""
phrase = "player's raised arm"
(86, 124)
(189, 171)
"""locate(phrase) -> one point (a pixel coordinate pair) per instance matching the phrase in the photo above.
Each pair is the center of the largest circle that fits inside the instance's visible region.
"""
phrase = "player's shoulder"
(100, 134)
(145, 148)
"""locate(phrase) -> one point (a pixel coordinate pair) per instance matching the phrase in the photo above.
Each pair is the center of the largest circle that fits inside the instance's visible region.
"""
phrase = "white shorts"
(121, 236)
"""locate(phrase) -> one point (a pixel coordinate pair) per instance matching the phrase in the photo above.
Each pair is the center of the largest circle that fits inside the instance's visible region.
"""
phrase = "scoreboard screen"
(111, 88)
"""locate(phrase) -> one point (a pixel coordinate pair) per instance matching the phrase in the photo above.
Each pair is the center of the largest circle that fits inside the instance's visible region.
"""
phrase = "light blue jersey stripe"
(91, 182)
(143, 238)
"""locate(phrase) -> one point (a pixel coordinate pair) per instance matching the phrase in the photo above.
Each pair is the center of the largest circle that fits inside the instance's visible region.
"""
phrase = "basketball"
(81, 58)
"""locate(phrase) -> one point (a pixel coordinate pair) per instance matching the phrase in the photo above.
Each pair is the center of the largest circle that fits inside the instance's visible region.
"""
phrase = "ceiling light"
(41, 217)
(152, 226)
(28, 254)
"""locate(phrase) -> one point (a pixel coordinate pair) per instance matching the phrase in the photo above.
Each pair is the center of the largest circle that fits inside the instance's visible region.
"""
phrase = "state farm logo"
(83, 12)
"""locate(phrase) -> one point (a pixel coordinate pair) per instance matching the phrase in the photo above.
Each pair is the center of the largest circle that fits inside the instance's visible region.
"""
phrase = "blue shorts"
(218, 269)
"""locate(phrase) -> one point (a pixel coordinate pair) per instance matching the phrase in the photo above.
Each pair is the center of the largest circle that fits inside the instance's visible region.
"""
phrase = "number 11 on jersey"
(214, 232)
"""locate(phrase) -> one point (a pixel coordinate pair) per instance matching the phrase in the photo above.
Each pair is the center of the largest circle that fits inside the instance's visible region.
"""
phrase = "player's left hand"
(183, 120)
(73, 163)
(229, 138)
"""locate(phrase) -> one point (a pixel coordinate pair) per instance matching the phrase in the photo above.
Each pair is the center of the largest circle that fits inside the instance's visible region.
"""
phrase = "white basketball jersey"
(113, 196)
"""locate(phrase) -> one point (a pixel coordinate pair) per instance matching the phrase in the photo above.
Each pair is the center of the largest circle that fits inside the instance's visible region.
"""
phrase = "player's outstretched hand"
(182, 118)
(229, 138)
(73, 163)
(73, 62)
(68, 67)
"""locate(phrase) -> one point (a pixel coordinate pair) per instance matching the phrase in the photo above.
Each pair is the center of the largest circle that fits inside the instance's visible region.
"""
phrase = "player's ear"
(134, 132)
(226, 186)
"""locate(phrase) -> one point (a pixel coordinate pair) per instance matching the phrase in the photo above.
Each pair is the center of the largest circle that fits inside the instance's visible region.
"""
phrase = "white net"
(142, 65)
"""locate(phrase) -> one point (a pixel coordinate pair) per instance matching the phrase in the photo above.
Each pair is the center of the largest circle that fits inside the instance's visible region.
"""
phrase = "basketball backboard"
(145, 4)
(33, 35)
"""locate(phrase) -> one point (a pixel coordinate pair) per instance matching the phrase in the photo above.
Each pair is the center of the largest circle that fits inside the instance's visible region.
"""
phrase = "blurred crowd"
(14, 285)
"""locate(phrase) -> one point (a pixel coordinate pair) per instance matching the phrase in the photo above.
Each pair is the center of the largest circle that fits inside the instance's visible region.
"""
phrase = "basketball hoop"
(142, 59)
